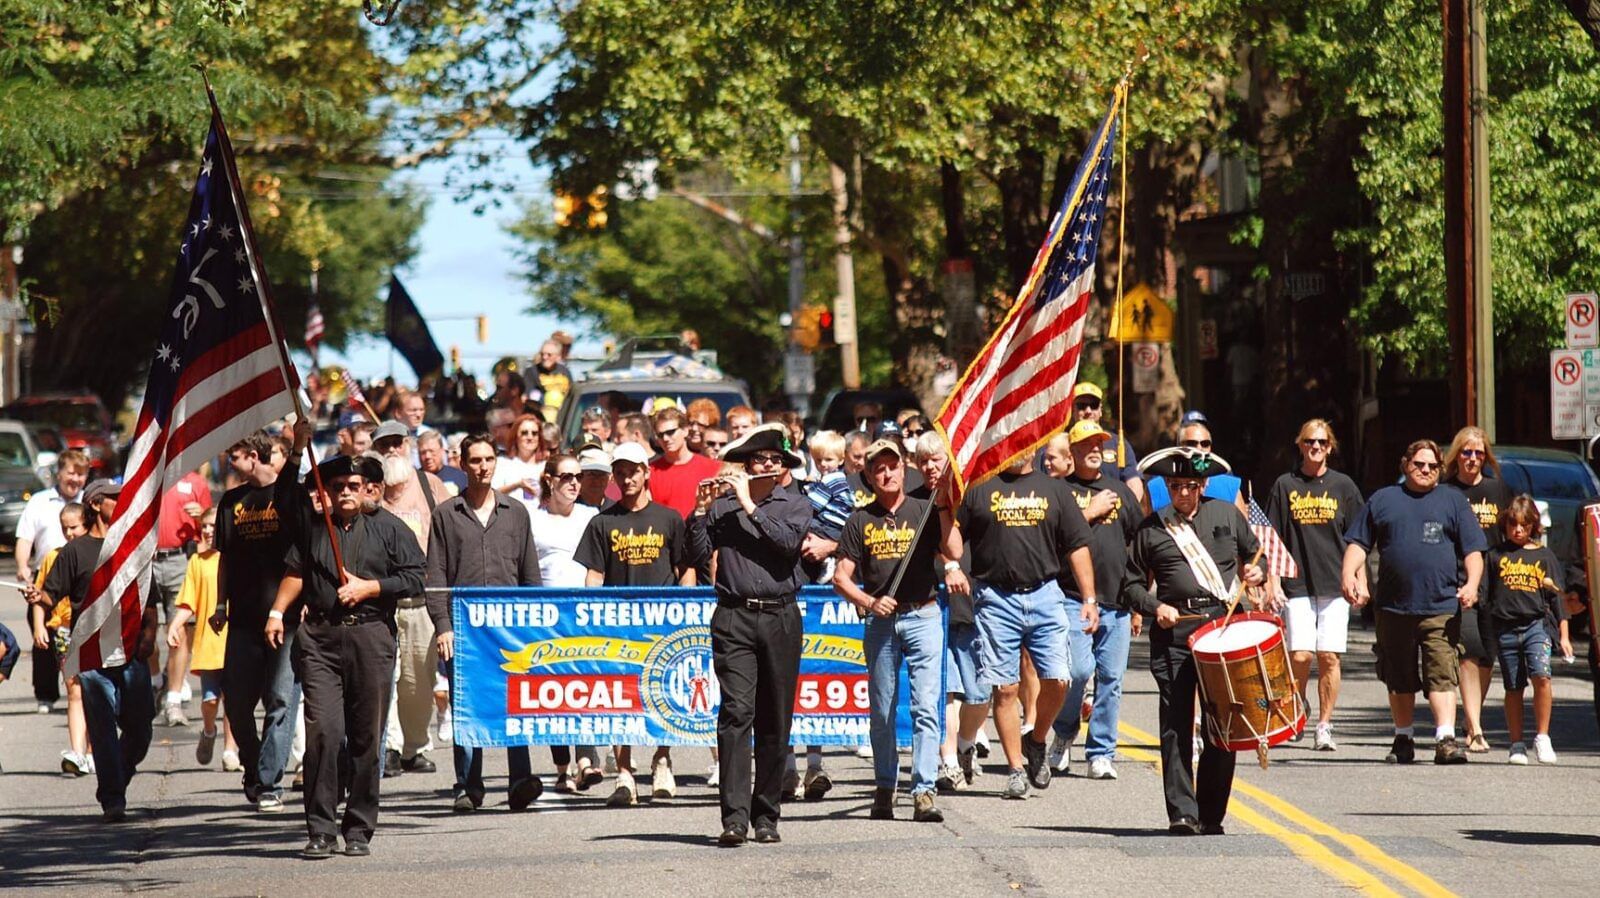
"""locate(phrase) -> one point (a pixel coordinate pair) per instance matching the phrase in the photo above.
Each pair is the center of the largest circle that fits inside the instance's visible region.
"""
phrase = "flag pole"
(1122, 252)
(291, 376)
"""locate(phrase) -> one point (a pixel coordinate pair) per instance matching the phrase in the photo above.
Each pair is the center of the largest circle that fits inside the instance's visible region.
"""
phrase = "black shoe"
(465, 804)
(767, 835)
(319, 847)
(591, 777)
(882, 804)
(1034, 761)
(1212, 829)
(357, 849)
(419, 763)
(115, 814)
(524, 791)
(1185, 826)
(1449, 751)
(732, 837)
(392, 765)
(1404, 751)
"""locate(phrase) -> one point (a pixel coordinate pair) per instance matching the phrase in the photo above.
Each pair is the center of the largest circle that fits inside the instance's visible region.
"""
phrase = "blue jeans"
(255, 674)
(117, 699)
(918, 637)
(1525, 651)
(1009, 622)
(1109, 646)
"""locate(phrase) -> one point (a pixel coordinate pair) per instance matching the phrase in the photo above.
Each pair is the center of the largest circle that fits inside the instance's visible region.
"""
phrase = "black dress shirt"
(759, 555)
(465, 552)
(376, 546)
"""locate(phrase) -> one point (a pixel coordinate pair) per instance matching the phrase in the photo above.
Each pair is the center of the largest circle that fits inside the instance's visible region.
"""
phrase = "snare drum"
(1246, 684)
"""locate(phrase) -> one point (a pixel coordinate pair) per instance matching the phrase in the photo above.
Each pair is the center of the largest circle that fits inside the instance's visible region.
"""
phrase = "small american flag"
(352, 389)
(216, 377)
(1279, 562)
(314, 327)
(1017, 392)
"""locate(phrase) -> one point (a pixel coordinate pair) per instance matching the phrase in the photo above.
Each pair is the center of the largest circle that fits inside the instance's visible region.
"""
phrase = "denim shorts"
(210, 685)
(1009, 622)
(1525, 651)
(961, 666)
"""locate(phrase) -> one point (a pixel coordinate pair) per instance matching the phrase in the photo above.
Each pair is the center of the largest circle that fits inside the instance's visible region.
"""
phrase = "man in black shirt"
(902, 621)
(1024, 531)
(755, 534)
(346, 648)
(257, 521)
(1193, 552)
(117, 701)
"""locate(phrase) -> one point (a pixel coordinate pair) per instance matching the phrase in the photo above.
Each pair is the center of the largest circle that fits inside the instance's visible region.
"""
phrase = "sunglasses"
(667, 434)
(715, 444)
(344, 486)
(1184, 486)
(527, 433)
(1087, 404)
(1426, 466)
(767, 458)
(1195, 444)
(917, 432)
(569, 477)
(1474, 453)
(1313, 441)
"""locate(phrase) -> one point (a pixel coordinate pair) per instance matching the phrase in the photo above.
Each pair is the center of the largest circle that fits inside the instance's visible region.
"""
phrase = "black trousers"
(46, 671)
(1204, 798)
(346, 672)
(258, 674)
(757, 658)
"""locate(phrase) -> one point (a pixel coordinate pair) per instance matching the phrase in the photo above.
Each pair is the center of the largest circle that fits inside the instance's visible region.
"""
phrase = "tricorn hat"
(772, 437)
(1184, 462)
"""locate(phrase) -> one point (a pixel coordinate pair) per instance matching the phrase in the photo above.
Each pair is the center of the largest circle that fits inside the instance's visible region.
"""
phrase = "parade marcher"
(411, 410)
(1524, 610)
(1024, 532)
(1088, 404)
(257, 522)
(39, 533)
(715, 440)
(1467, 465)
(901, 622)
(1194, 553)
(197, 601)
(480, 538)
(596, 423)
(346, 648)
(1195, 433)
(703, 415)
(117, 700)
(755, 534)
(739, 420)
(1429, 542)
(1112, 512)
(51, 627)
(594, 467)
(636, 542)
(177, 531)
(1311, 507)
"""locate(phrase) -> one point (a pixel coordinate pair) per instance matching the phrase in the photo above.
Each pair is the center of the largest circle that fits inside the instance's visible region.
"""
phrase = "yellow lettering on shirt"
(1522, 576)
(1084, 499)
(1306, 508)
(863, 498)
(1488, 513)
(887, 542)
(634, 549)
(1013, 510)
(255, 523)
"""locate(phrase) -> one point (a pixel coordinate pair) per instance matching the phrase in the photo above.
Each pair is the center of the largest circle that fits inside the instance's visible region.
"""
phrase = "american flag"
(1016, 393)
(1279, 562)
(314, 327)
(214, 379)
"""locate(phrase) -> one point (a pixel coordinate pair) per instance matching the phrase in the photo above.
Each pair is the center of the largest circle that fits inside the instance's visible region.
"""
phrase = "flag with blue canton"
(215, 377)
(1017, 393)
(1273, 550)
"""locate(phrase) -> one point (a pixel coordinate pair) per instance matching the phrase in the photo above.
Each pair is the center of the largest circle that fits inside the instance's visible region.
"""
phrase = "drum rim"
(1248, 651)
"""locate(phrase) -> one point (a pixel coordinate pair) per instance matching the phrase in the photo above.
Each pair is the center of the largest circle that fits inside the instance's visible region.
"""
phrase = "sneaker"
(1449, 751)
(88, 764)
(791, 784)
(204, 748)
(1542, 749)
(1033, 759)
(950, 779)
(864, 752)
(230, 761)
(73, 764)
(1102, 768)
(174, 715)
(186, 694)
(662, 783)
(447, 727)
(1403, 751)
(1478, 744)
(714, 775)
(816, 784)
(1518, 755)
(968, 763)
(463, 804)
(625, 795)
(1016, 785)
(269, 803)
(46, 707)
(924, 811)
(1060, 754)
(882, 803)
(1324, 738)
(610, 764)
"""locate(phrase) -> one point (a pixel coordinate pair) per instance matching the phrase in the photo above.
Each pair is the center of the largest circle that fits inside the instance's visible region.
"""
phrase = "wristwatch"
(951, 567)
(1090, 600)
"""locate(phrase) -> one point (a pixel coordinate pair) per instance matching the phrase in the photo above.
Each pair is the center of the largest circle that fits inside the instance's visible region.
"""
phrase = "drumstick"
(1238, 593)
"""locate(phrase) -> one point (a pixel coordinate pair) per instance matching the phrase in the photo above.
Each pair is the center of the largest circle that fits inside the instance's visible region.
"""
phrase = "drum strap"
(1194, 552)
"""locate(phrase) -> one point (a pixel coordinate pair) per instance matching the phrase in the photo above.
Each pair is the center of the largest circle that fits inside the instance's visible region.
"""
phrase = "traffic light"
(483, 328)
(808, 328)
(825, 326)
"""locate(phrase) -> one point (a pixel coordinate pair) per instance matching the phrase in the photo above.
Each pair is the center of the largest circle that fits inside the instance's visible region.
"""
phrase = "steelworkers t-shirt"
(876, 539)
(634, 548)
(1312, 514)
(1019, 528)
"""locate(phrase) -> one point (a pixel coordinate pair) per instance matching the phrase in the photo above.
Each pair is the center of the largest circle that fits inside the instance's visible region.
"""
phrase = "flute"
(723, 480)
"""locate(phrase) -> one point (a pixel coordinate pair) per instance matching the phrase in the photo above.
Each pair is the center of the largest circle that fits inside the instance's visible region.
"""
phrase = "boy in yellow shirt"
(197, 601)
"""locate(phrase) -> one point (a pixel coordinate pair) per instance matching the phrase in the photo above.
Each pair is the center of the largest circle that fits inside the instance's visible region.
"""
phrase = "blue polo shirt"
(1421, 539)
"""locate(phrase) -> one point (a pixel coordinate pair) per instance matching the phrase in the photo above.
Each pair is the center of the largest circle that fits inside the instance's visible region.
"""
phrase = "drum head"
(1240, 634)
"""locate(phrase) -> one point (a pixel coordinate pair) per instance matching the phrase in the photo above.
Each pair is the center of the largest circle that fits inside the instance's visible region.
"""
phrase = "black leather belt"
(907, 609)
(757, 604)
(1199, 604)
(343, 620)
(168, 553)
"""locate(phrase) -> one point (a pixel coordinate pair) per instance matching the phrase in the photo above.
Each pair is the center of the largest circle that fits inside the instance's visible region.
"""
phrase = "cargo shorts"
(1418, 653)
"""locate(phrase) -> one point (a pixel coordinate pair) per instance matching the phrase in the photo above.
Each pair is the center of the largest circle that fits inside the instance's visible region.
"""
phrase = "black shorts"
(1476, 645)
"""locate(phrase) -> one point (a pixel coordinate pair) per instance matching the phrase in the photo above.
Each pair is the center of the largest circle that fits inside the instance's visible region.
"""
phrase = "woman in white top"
(557, 528)
(518, 474)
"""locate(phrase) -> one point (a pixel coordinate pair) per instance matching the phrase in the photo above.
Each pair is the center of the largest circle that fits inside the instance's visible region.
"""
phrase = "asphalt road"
(1311, 824)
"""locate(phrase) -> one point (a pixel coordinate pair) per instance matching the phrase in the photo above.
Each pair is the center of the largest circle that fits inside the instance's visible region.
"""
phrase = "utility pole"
(1468, 301)
(797, 361)
(844, 306)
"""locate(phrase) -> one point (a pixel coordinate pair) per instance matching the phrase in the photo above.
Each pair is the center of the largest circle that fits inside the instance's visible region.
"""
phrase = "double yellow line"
(1310, 842)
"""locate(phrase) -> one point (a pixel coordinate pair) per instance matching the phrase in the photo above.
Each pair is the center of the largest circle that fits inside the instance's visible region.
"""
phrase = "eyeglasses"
(714, 444)
(767, 458)
(1195, 444)
(1474, 453)
(344, 486)
(1314, 441)
(1426, 466)
(1087, 404)
(569, 477)
(667, 434)
(1183, 486)
(915, 433)
(527, 433)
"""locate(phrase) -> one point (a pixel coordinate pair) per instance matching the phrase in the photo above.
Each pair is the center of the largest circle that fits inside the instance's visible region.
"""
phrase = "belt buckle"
(349, 620)
(759, 604)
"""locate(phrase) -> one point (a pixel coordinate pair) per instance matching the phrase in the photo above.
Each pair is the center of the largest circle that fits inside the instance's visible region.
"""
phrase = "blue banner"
(624, 666)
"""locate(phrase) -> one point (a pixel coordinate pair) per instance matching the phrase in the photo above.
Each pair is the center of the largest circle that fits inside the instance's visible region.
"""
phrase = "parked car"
(24, 470)
(81, 419)
(1560, 482)
(639, 374)
(836, 412)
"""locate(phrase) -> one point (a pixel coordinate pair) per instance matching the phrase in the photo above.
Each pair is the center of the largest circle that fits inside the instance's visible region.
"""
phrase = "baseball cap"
(1086, 430)
(390, 429)
(1085, 388)
(594, 460)
(100, 489)
(885, 445)
(1193, 416)
(630, 451)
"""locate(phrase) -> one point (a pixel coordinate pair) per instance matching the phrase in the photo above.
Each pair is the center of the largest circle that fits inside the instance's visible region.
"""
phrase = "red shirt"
(174, 527)
(675, 485)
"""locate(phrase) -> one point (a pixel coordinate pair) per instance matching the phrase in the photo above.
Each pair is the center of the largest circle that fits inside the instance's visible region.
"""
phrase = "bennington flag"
(1016, 393)
(1279, 562)
(214, 379)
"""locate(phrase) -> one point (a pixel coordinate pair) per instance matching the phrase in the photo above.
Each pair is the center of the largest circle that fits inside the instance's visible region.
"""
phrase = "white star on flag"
(227, 234)
(205, 223)
(194, 229)
(245, 284)
(205, 167)
(239, 256)
(175, 365)
(163, 352)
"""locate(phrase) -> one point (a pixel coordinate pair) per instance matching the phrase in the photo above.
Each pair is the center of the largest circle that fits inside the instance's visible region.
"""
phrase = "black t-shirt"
(863, 491)
(256, 525)
(69, 577)
(876, 539)
(1488, 497)
(1514, 588)
(1108, 537)
(634, 548)
(1312, 515)
(961, 610)
(1019, 529)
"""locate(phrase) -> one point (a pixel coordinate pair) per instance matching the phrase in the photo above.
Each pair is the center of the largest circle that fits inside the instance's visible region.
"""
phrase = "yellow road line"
(1412, 877)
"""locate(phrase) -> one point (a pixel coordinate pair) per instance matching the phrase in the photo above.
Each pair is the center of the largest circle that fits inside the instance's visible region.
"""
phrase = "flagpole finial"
(390, 7)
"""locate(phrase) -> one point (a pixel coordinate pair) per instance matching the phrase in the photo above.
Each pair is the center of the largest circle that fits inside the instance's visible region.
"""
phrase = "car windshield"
(13, 451)
(645, 397)
(1551, 480)
(64, 415)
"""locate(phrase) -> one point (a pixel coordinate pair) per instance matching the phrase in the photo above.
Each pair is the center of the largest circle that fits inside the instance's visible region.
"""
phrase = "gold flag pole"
(1122, 249)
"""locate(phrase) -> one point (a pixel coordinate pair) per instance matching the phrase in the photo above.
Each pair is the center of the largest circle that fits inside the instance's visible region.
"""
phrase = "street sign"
(1146, 366)
(1145, 318)
(1209, 349)
(1583, 321)
(1567, 418)
(799, 374)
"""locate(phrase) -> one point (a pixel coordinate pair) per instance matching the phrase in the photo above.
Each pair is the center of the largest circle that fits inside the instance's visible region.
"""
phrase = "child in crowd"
(832, 499)
(197, 601)
(77, 759)
(1522, 607)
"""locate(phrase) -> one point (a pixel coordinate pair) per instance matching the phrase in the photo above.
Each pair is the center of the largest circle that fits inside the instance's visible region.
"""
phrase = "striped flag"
(216, 377)
(1279, 562)
(1017, 392)
(314, 327)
